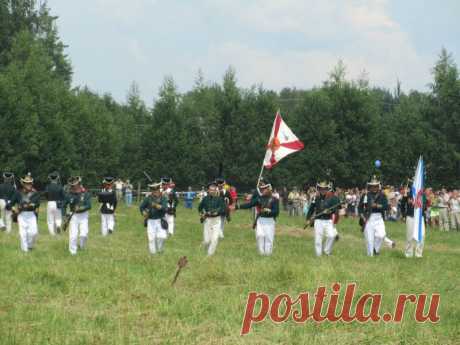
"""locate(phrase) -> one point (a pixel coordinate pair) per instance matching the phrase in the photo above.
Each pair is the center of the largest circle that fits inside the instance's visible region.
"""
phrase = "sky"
(274, 43)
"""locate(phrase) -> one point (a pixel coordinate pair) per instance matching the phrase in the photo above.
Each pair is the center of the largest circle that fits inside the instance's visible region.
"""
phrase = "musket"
(148, 177)
(66, 222)
(326, 211)
(364, 217)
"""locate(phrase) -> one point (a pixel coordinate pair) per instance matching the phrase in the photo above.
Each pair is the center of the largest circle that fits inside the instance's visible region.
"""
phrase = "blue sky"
(277, 43)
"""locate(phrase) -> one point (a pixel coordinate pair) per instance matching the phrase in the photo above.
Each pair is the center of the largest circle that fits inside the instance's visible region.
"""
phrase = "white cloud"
(126, 12)
(365, 37)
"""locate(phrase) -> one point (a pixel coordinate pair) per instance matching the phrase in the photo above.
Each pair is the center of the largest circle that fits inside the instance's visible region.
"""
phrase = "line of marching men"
(70, 208)
(67, 207)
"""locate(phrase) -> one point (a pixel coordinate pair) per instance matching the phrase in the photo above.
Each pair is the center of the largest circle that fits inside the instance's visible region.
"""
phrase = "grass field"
(114, 292)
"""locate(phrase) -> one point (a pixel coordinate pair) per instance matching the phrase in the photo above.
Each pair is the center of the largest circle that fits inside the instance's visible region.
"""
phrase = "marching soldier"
(225, 195)
(153, 208)
(212, 209)
(372, 207)
(79, 202)
(108, 199)
(7, 191)
(55, 196)
(324, 210)
(170, 193)
(407, 207)
(267, 210)
(25, 204)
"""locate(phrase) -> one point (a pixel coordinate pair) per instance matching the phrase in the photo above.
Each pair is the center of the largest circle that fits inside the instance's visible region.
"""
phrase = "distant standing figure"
(119, 189)
(454, 204)
(189, 196)
(128, 193)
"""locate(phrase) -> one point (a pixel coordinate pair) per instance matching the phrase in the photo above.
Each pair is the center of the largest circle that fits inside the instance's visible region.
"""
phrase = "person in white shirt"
(119, 189)
(443, 205)
(454, 205)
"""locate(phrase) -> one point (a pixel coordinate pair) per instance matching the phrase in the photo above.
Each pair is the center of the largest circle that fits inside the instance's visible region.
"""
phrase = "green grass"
(116, 293)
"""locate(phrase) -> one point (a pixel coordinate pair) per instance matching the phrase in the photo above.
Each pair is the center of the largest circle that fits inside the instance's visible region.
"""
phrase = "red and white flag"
(282, 143)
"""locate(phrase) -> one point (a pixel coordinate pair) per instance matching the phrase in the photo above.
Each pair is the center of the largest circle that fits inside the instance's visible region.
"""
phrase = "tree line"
(46, 124)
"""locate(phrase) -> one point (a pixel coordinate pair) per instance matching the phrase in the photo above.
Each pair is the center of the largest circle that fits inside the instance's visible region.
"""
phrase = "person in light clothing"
(454, 205)
(372, 207)
(78, 200)
(25, 204)
(324, 208)
(267, 210)
(153, 208)
(189, 196)
(55, 196)
(108, 200)
(211, 209)
(128, 193)
(443, 206)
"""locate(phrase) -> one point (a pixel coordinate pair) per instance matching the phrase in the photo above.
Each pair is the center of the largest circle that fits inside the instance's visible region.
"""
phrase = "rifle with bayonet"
(324, 212)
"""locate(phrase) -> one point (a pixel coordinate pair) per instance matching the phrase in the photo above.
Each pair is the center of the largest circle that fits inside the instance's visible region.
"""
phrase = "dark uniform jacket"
(212, 206)
(149, 205)
(321, 203)
(7, 191)
(172, 201)
(108, 200)
(55, 192)
(78, 202)
(407, 206)
(367, 200)
(267, 206)
(26, 201)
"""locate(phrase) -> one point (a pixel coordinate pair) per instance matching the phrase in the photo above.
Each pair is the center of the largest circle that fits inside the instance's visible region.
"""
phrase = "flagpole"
(260, 175)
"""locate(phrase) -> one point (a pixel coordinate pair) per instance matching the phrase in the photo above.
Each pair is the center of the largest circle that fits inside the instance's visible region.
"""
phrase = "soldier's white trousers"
(222, 225)
(107, 223)
(412, 244)
(324, 228)
(374, 232)
(171, 223)
(53, 217)
(211, 233)
(78, 229)
(28, 229)
(6, 219)
(265, 235)
(156, 235)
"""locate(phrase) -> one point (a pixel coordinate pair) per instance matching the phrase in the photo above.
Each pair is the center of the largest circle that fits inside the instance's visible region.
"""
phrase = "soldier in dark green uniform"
(7, 191)
(267, 210)
(211, 210)
(224, 193)
(407, 208)
(55, 195)
(169, 191)
(322, 209)
(25, 204)
(372, 208)
(78, 199)
(153, 208)
(108, 200)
